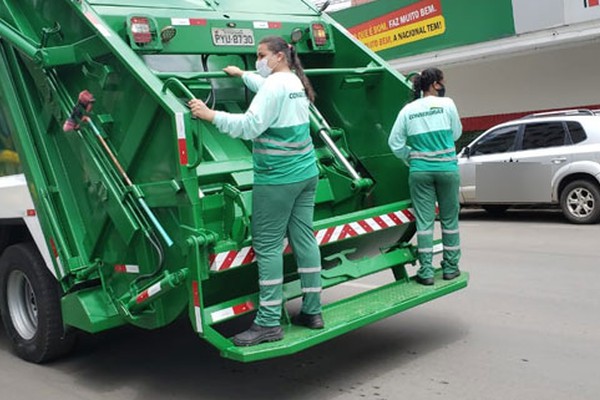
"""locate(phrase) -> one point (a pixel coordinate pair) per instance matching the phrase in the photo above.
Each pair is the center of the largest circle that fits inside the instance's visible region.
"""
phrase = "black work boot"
(451, 275)
(312, 321)
(424, 281)
(258, 334)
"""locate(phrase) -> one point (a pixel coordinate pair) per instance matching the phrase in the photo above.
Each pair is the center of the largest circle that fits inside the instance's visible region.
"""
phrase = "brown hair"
(277, 44)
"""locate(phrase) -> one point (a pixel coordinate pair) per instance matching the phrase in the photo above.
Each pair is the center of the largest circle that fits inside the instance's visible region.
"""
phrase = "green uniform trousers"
(278, 210)
(425, 189)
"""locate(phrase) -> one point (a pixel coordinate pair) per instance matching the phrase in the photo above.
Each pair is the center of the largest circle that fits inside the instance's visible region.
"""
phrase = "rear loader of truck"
(117, 207)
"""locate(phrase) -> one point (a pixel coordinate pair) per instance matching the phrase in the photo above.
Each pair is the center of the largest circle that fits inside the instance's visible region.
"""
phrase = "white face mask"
(262, 67)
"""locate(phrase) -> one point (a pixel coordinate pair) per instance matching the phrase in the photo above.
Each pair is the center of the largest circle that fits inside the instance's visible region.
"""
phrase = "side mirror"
(466, 152)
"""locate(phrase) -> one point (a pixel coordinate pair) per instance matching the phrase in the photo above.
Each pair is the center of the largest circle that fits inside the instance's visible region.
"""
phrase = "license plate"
(232, 37)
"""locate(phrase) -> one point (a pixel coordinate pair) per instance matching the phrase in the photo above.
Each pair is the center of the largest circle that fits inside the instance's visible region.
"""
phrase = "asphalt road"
(527, 327)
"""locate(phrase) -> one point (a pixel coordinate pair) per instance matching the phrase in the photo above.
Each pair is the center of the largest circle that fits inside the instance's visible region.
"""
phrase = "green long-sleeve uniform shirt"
(277, 122)
(424, 134)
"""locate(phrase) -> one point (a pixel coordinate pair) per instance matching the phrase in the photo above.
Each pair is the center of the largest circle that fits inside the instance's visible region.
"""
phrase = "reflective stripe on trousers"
(278, 210)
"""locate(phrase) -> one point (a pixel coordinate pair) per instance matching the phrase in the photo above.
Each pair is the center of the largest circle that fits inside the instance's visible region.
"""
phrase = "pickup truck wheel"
(30, 305)
(580, 202)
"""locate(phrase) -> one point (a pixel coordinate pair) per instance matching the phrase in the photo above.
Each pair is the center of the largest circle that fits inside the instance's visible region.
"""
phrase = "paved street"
(527, 327)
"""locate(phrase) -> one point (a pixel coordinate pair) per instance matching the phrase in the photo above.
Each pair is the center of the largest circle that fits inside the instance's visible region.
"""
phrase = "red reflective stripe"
(232, 259)
(274, 25)
(142, 297)
(395, 218)
(249, 257)
(120, 268)
(408, 215)
(197, 21)
(31, 213)
(53, 248)
(327, 236)
(242, 308)
(228, 260)
(183, 156)
(347, 231)
(365, 225)
(196, 292)
(380, 222)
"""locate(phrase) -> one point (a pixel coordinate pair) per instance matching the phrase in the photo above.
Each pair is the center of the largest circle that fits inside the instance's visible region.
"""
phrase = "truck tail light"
(319, 34)
(140, 30)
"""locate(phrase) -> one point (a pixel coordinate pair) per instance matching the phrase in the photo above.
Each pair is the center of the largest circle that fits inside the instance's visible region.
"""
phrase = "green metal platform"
(349, 314)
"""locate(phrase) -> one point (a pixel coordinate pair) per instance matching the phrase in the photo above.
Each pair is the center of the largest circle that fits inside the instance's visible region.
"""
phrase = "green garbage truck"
(134, 213)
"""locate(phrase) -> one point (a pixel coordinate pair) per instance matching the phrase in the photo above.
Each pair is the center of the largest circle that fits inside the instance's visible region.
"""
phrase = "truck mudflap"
(349, 314)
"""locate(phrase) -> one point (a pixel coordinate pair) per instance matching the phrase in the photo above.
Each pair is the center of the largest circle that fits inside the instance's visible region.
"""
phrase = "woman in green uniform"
(423, 136)
(285, 181)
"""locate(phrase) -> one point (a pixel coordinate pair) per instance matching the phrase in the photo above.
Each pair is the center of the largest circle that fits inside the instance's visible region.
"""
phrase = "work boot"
(258, 334)
(451, 275)
(312, 321)
(424, 281)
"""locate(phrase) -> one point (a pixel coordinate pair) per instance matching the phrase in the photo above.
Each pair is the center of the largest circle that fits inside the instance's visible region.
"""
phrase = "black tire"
(495, 210)
(30, 305)
(580, 202)
(4, 238)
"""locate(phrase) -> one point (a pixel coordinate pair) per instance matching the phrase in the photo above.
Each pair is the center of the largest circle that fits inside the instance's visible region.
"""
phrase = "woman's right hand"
(232, 70)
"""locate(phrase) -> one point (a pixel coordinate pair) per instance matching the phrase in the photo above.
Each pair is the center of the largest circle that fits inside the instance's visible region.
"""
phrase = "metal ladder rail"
(108, 164)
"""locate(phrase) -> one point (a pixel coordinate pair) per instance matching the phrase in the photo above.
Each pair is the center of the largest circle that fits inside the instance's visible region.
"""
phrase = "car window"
(498, 141)
(577, 132)
(543, 134)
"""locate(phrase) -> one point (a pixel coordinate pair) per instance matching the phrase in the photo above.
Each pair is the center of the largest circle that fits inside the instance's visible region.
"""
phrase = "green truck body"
(141, 214)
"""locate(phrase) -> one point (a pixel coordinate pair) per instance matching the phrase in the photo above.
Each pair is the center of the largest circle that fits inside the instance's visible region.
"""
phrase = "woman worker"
(423, 136)
(285, 181)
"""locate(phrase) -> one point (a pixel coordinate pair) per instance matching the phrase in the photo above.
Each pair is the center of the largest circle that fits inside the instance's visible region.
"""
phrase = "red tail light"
(140, 30)
(319, 34)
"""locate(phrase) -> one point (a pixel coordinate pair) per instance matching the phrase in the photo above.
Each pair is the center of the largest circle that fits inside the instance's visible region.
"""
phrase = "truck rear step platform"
(351, 313)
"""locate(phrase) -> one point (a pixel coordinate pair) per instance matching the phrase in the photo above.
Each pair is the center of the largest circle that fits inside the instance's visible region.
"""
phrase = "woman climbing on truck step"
(285, 181)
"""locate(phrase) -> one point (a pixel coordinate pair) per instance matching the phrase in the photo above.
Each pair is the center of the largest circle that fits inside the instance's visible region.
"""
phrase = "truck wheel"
(580, 202)
(30, 305)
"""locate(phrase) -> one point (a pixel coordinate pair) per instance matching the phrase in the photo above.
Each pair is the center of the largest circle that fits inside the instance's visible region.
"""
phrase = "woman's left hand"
(201, 110)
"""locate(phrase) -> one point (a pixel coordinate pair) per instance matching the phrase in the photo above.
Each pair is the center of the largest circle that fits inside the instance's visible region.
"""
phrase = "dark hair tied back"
(423, 81)
(276, 44)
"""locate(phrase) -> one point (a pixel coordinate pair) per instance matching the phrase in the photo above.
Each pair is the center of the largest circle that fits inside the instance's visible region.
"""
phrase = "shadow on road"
(174, 363)
(515, 215)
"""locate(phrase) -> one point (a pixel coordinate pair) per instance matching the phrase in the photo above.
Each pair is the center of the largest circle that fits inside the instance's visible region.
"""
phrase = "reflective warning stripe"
(146, 294)
(56, 257)
(188, 22)
(235, 258)
(266, 25)
(197, 310)
(127, 269)
(228, 312)
(180, 126)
